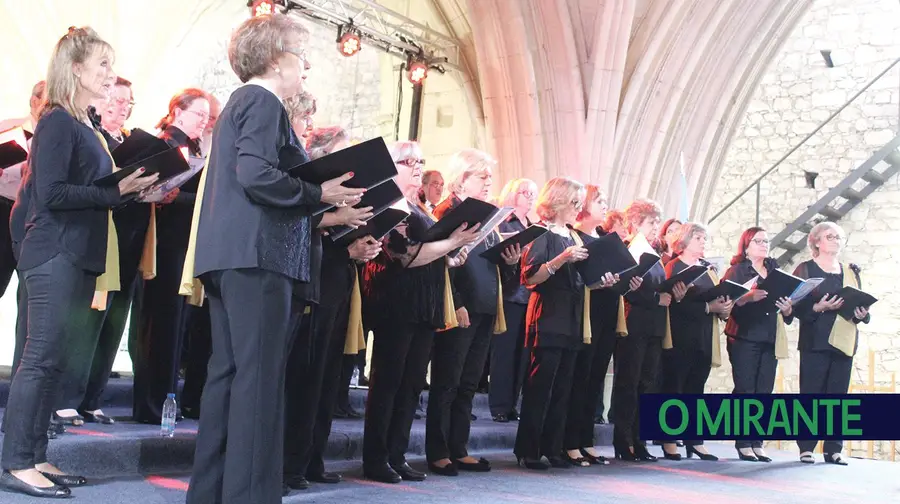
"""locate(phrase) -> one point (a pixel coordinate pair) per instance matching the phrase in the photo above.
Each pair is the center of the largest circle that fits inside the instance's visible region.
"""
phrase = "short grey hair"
(406, 149)
(259, 41)
(466, 163)
(556, 194)
(687, 233)
(819, 230)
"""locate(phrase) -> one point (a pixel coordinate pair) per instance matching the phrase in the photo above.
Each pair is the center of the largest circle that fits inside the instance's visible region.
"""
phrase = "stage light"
(417, 72)
(349, 44)
(262, 7)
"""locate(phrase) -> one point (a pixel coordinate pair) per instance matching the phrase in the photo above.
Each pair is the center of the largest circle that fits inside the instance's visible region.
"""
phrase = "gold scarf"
(190, 286)
(450, 320)
(781, 341)
(621, 325)
(716, 358)
(356, 335)
(586, 325)
(843, 332)
(500, 318)
(109, 281)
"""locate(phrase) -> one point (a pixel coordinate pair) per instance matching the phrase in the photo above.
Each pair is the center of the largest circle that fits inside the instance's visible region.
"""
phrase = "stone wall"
(797, 94)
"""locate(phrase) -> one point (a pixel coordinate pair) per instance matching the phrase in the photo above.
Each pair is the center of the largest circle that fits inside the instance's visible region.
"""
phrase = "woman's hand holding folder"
(333, 193)
(136, 182)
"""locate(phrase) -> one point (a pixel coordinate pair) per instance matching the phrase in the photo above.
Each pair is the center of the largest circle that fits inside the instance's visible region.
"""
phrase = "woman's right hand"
(364, 249)
(136, 182)
(352, 216)
(828, 303)
(573, 254)
(720, 305)
(333, 193)
(463, 235)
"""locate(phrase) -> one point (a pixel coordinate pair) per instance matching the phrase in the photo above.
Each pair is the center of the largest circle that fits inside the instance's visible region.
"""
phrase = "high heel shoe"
(640, 451)
(748, 457)
(625, 453)
(577, 462)
(598, 460)
(761, 455)
(691, 451)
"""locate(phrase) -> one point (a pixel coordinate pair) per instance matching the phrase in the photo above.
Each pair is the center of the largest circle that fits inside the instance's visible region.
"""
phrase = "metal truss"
(383, 28)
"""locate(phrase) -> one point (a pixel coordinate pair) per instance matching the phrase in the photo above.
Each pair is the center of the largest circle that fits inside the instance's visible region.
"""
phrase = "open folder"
(522, 238)
(380, 198)
(370, 162)
(780, 284)
(13, 147)
(853, 299)
(607, 254)
(143, 150)
(688, 276)
(471, 212)
(646, 263)
(726, 289)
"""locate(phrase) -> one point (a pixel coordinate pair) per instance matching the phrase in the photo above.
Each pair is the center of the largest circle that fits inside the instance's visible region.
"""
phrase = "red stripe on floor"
(170, 483)
(662, 493)
(88, 432)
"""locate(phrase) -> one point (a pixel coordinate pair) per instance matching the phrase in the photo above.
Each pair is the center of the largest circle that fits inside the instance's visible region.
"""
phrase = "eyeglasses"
(411, 162)
(832, 237)
(201, 115)
(527, 194)
(760, 241)
(577, 204)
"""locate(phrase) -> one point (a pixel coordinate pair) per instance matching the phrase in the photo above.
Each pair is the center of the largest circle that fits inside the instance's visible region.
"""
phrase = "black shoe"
(326, 477)
(625, 453)
(13, 484)
(598, 460)
(408, 473)
(76, 420)
(761, 455)
(481, 466)
(679, 444)
(65, 479)
(100, 419)
(448, 470)
(691, 451)
(599, 420)
(513, 416)
(577, 462)
(535, 464)
(296, 482)
(835, 458)
(559, 462)
(640, 451)
(746, 457)
(670, 456)
(352, 414)
(501, 418)
(382, 473)
(51, 434)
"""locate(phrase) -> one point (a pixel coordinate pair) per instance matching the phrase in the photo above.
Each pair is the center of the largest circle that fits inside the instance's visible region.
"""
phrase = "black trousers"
(686, 370)
(59, 298)
(545, 403)
(753, 367)
(509, 361)
(21, 323)
(824, 372)
(199, 348)
(163, 323)
(240, 439)
(400, 357)
(637, 369)
(456, 370)
(587, 385)
(311, 385)
(7, 259)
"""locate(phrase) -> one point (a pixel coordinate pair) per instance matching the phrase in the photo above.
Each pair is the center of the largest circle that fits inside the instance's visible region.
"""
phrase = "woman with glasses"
(755, 330)
(828, 341)
(164, 315)
(509, 360)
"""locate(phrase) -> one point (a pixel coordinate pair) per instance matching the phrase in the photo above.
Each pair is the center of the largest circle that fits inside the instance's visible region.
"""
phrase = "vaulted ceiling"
(616, 92)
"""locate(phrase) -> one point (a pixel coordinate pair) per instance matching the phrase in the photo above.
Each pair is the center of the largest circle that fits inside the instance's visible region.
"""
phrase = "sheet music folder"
(688, 276)
(143, 150)
(380, 198)
(853, 299)
(377, 227)
(607, 254)
(646, 263)
(780, 284)
(522, 238)
(13, 147)
(726, 288)
(471, 211)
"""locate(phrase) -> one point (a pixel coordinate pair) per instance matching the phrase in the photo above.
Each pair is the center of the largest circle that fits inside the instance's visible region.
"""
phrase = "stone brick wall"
(797, 94)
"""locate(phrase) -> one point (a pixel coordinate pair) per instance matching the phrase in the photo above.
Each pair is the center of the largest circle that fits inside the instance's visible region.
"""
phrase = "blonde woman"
(63, 252)
(828, 341)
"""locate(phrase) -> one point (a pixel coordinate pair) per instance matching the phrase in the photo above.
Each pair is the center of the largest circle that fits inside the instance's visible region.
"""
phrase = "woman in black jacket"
(63, 252)
(755, 330)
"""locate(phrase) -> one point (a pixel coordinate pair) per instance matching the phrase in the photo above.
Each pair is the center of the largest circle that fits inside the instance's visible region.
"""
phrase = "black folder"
(143, 150)
(471, 211)
(644, 265)
(377, 227)
(780, 284)
(11, 151)
(607, 254)
(726, 288)
(853, 299)
(688, 276)
(522, 238)
(380, 198)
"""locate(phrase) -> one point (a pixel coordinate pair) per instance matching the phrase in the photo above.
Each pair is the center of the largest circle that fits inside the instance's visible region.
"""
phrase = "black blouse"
(556, 307)
(173, 221)
(643, 314)
(754, 321)
(67, 214)
(395, 294)
(692, 327)
(815, 328)
(514, 291)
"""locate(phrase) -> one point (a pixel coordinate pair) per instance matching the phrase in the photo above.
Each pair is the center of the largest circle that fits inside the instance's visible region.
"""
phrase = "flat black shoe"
(408, 473)
(13, 484)
(65, 479)
(76, 420)
(329, 478)
(835, 458)
(100, 419)
(501, 418)
(296, 482)
(534, 464)
(598, 460)
(577, 462)
(691, 451)
(382, 473)
(640, 451)
(559, 462)
(481, 466)
(448, 470)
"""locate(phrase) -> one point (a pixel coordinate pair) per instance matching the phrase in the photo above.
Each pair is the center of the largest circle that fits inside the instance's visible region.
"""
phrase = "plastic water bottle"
(168, 416)
(354, 381)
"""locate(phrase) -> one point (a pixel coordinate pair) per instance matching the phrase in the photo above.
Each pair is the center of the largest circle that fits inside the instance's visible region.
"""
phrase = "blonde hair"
(322, 141)
(508, 195)
(556, 194)
(300, 105)
(75, 47)
(815, 235)
(258, 42)
(640, 210)
(686, 234)
(466, 163)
